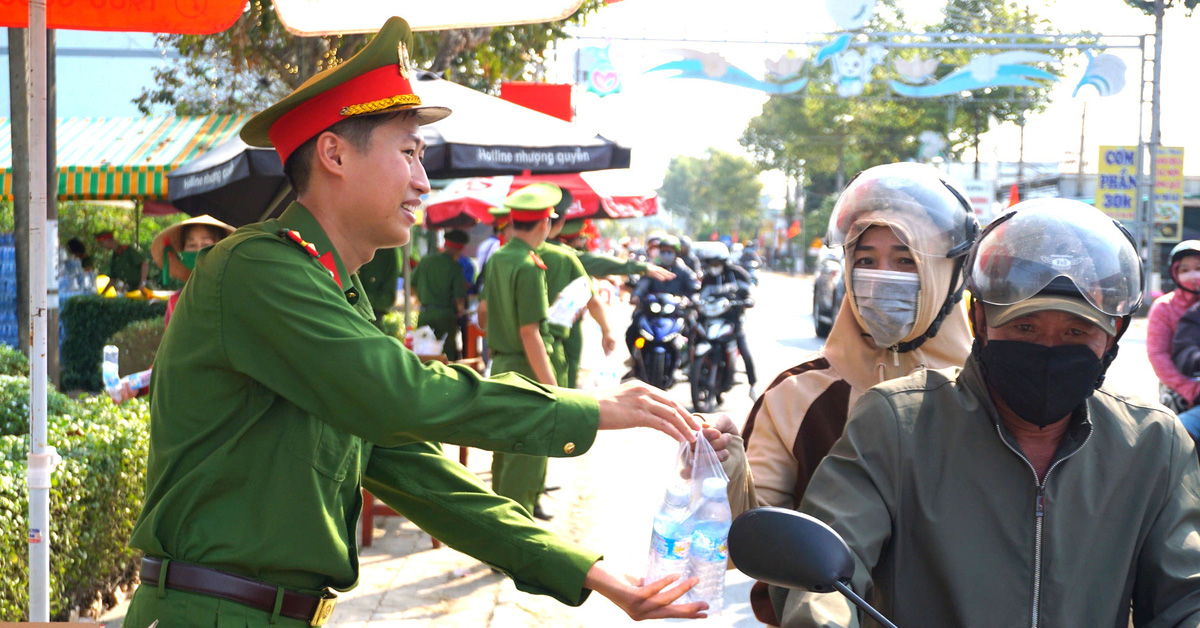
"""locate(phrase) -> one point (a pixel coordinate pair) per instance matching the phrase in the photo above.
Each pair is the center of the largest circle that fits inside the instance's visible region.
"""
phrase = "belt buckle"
(324, 609)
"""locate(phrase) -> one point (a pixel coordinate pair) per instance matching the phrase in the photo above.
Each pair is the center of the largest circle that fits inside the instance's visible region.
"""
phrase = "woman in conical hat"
(175, 249)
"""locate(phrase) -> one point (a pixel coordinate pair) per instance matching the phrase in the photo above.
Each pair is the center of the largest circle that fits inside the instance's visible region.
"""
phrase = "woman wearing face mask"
(1173, 337)
(906, 231)
(175, 249)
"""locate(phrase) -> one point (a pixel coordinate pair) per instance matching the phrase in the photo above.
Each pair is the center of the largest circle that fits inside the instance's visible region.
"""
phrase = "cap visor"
(998, 315)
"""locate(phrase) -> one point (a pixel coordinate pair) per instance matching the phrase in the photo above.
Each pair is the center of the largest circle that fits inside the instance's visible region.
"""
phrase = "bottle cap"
(678, 495)
(714, 488)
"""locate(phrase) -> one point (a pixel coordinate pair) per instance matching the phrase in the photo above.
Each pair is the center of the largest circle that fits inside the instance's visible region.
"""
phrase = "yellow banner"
(1117, 182)
(1168, 194)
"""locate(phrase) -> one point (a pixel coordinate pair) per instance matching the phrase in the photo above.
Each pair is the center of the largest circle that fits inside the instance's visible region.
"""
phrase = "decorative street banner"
(1168, 194)
(1117, 182)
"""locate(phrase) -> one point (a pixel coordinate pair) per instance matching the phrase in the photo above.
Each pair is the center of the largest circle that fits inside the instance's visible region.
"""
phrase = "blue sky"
(97, 87)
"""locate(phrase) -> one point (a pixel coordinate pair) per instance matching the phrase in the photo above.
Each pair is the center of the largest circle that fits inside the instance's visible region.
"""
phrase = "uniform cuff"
(577, 418)
(566, 566)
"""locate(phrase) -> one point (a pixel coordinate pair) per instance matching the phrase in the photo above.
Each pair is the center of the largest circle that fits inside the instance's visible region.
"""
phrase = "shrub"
(13, 361)
(94, 502)
(89, 321)
(138, 343)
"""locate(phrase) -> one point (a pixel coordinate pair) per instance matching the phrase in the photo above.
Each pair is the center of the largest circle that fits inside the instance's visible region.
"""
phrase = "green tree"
(1147, 6)
(717, 191)
(256, 61)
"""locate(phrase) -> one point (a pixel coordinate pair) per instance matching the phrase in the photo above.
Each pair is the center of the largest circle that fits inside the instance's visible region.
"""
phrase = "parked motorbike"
(795, 551)
(715, 349)
(660, 339)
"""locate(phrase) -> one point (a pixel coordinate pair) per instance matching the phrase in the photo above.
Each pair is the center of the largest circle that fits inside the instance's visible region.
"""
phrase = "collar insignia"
(537, 260)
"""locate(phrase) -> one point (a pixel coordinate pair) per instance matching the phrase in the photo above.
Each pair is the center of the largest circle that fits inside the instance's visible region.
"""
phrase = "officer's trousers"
(517, 476)
(573, 346)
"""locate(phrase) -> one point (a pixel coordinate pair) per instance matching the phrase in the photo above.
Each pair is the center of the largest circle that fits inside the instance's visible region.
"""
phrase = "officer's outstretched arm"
(450, 503)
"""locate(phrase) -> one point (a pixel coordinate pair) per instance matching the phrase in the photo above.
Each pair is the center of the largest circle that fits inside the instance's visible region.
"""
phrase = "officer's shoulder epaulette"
(326, 259)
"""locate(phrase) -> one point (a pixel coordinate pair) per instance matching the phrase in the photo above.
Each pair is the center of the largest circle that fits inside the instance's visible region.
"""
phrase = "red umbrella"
(600, 194)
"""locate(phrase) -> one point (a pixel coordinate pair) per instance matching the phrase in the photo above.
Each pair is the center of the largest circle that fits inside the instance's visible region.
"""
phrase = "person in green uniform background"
(513, 309)
(276, 401)
(128, 265)
(570, 234)
(439, 285)
(379, 278)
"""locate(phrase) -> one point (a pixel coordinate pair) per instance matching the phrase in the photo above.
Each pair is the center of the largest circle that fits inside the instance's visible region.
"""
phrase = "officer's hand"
(636, 404)
(654, 601)
(719, 429)
(608, 343)
(654, 271)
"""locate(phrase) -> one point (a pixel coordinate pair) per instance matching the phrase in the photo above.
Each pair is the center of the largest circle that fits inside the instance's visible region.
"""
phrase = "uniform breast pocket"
(328, 450)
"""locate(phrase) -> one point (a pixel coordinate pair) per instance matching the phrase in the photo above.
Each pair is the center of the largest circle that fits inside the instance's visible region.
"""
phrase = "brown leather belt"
(253, 593)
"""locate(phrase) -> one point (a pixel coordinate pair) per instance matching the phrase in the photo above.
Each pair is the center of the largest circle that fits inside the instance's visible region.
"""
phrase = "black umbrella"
(486, 136)
(235, 183)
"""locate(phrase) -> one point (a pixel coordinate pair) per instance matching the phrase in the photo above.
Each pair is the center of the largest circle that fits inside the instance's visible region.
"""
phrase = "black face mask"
(1040, 384)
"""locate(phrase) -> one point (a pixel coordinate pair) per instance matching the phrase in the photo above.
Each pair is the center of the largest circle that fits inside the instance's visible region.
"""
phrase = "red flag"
(715, 236)
(794, 229)
(1014, 194)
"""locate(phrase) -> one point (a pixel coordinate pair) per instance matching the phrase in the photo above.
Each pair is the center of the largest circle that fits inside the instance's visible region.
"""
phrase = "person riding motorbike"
(1166, 347)
(683, 284)
(1073, 503)
(720, 275)
(906, 230)
(688, 254)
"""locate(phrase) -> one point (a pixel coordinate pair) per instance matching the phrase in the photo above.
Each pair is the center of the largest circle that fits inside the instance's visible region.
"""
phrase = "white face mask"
(887, 302)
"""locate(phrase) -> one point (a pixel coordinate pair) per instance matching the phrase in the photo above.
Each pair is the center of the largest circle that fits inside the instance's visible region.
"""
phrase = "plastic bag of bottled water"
(690, 530)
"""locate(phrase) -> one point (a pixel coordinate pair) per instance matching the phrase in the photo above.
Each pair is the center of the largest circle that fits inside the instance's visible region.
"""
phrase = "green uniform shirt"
(515, 291)
(379, 277)
(126, 265)
(274, 399)
(562, 267)
(439, 282)
(599, 265)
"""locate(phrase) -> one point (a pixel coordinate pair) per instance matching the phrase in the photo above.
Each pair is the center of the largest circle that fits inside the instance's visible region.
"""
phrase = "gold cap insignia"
(402, 53)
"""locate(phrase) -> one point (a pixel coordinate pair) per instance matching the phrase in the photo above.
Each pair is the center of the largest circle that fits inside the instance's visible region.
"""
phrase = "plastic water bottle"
(108, 368)
(710, 547)
(671, 541)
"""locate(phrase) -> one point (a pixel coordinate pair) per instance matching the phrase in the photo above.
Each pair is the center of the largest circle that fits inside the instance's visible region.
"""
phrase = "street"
(606, 501)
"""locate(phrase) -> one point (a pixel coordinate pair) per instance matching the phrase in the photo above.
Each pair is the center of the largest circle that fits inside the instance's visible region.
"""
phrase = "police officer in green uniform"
(275, 400)
(379, 277)
(513, 310)
(440, 287)
(128, 264)
(597, 265)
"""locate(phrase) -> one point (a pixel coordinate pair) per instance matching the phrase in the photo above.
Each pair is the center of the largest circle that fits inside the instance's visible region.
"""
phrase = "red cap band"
(453, 246)
(530, 215)
(379, 89)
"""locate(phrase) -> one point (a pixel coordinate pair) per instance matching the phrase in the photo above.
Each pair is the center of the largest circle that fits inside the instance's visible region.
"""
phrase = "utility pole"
(52, 367)
(1082, 128)
(1155, 134)
(17, 67)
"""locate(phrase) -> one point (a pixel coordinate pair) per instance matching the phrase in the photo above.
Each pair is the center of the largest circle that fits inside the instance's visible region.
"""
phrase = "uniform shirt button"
(569, 448)
(518, 447)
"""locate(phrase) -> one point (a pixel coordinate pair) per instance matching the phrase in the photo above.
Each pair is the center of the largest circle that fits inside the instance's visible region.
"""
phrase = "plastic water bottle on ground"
(710, 548)
(108, 368)
(671, 540)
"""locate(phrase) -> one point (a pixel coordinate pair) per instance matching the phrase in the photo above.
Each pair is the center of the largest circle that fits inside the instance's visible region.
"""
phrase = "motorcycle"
(715, 350)
(660, 339)
(817, 558)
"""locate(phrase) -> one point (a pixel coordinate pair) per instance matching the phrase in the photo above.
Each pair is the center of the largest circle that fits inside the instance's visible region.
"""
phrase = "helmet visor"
(933, 212)
(1050, 238)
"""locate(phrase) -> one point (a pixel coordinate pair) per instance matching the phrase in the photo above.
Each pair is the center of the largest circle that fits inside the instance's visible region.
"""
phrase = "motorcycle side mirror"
(793, 550)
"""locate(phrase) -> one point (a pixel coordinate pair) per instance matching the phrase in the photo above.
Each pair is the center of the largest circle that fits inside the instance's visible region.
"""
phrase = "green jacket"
(439, 283)
(379, 277)
(515, 291)
(274, 400)
(949, 527)
(126, 265)
(600, 265)
(562, 267)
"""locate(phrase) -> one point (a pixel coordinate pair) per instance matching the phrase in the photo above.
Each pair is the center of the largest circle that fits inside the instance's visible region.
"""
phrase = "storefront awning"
(123, 158)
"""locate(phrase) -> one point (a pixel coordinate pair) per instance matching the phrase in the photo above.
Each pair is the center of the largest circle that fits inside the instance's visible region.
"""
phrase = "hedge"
(89, 321)
(95, 499)
(138, 343)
